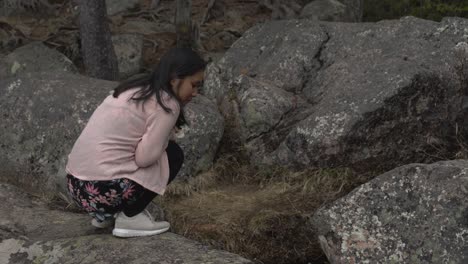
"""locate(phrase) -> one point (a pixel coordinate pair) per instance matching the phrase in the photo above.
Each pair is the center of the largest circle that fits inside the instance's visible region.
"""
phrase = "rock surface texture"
(32, 233)
(413, 214)
(34, 57)
(42, 116)
(200, 138)
(368, 95)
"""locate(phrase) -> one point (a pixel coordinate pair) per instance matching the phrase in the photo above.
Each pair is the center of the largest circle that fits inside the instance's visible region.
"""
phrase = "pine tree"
(96, 43)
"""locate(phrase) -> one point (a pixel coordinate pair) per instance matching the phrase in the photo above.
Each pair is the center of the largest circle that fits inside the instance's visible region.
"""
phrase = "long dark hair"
(177, 63)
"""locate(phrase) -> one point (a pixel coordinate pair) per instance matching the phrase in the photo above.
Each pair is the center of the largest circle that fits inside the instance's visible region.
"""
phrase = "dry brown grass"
(262, 214)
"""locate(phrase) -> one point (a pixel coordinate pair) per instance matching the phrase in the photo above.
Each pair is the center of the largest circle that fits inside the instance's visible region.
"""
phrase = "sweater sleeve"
(154, 141)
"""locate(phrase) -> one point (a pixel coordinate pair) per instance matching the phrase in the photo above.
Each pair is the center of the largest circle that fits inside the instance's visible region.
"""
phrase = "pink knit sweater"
(125, 139)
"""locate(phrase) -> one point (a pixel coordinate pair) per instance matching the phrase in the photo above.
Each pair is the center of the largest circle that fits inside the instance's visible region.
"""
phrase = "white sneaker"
(141, 224)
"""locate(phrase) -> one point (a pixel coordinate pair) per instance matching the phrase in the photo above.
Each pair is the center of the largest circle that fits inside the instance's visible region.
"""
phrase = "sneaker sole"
(118, 232)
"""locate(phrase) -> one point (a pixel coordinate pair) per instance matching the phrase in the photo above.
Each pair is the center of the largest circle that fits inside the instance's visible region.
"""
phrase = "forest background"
(232, 192)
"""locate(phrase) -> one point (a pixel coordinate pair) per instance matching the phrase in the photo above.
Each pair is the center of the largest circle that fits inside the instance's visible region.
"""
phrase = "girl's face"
(188, 87)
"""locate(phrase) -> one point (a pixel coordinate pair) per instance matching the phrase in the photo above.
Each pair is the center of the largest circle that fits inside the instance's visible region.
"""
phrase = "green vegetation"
(375, 10)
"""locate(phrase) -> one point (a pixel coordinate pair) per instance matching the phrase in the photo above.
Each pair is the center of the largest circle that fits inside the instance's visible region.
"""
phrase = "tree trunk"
(96, 43)
(183, 21)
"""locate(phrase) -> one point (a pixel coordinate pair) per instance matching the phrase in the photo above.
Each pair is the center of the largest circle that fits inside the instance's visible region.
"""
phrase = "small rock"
(34, 57)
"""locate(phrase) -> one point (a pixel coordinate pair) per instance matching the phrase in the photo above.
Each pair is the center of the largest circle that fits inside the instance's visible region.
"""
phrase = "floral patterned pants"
(102, 199)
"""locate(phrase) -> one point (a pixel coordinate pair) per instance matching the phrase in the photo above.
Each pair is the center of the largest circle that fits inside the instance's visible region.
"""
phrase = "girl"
(123, 158)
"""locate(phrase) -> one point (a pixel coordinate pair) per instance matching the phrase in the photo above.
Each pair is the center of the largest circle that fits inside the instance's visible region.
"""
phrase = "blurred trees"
(375, 10)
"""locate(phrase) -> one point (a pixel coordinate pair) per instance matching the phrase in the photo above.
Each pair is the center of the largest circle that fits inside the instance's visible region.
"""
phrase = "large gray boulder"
(30, 232)
(200, 138)
(368, 95)
(44, 113)
(34, 57)
(413, 214)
